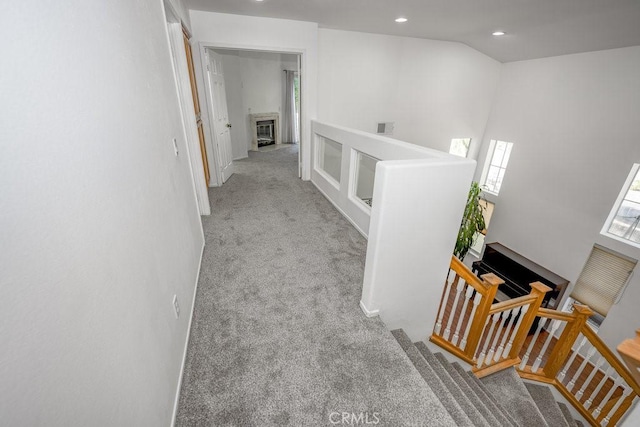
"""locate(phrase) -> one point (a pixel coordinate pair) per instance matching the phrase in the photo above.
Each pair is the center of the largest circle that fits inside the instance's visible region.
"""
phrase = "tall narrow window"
(623, 222)
(460, 146)
(499, 153)
(603, 279)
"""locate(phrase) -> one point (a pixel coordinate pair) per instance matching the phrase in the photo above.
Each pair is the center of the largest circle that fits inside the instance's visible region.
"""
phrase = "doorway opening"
(254, 101)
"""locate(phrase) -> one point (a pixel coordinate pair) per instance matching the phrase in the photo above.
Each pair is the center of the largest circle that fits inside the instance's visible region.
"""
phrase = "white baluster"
(606, 398)
(625, 393)
(507, 349)
(576, 375)
(492, 349)
(541, 324)
(467, 297)
(567, 365)
(555, 324)
(443, 307)
(476, 301)
(494, 320)
(459, 286)
(595, 392)
(514, 313)
(586, 382)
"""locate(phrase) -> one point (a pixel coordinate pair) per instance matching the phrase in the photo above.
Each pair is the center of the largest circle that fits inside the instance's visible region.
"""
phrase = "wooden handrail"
(468, 276)
(511, 303)
(630, 352)
(556, 315)
(610, 356)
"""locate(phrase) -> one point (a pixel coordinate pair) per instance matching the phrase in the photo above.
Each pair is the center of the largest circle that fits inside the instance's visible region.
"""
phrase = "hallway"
(278, 337)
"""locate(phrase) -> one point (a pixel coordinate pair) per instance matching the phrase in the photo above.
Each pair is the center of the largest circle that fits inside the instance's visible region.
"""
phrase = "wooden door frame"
(305, 142)
(187, 112)
(196, 104)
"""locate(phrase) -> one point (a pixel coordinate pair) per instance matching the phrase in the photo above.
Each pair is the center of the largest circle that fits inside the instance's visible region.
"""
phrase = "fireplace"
(265, 132)
(265, 129)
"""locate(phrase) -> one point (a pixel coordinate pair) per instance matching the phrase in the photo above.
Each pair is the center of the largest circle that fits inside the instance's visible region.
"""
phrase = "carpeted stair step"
(568, 416)
(467, 405)
(432, 380)
(507, 387)
(480, 405)
(494, 406)
(471, 395)
(547, 404)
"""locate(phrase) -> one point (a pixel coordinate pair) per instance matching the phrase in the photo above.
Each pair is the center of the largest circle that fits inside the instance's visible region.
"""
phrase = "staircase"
(499, 399)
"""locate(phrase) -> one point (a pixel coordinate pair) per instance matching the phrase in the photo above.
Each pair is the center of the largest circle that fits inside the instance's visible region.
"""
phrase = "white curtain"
(290, 116)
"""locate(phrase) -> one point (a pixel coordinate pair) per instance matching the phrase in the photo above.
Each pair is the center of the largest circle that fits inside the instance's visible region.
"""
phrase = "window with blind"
(603, 279)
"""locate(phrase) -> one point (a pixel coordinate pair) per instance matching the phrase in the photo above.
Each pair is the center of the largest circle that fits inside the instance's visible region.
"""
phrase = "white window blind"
(602, 279)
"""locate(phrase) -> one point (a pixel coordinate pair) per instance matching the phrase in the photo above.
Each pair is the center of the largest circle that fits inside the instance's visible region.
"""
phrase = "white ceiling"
(535, 28)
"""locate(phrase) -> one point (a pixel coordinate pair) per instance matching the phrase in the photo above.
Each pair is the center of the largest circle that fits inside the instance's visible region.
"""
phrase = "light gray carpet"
(547, 404)
(278, 337)
(429, 375)
(494, 405)
(568, 417)
(500, 399)
(453, 387)
(515, 396)
(480, 405)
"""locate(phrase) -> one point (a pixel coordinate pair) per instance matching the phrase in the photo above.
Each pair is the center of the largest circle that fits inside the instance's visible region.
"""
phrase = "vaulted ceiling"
(534, 28)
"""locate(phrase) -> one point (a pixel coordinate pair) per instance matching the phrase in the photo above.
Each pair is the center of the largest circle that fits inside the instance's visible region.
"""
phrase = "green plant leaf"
(472, 222)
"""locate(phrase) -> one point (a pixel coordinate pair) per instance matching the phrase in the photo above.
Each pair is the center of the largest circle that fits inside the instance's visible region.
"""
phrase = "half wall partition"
(408, 201)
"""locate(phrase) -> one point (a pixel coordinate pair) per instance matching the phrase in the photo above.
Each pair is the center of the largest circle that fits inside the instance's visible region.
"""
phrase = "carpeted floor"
(278, 337)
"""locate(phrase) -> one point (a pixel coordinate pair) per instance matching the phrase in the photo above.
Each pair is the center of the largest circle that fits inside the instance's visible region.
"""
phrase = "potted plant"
(472, 222)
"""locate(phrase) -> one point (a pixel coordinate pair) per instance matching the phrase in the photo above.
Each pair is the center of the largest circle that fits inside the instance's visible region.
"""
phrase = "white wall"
(411, 227)
(574, 123)
(98, 218)
(434, 91)
(266, 34)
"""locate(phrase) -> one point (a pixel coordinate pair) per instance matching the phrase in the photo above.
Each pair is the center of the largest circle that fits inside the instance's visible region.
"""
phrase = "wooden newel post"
(491, 283)
(630, 352)
(566, 340)
(538, 290)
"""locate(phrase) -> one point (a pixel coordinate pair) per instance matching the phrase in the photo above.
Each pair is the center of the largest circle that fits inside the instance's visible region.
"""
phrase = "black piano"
(518, 272)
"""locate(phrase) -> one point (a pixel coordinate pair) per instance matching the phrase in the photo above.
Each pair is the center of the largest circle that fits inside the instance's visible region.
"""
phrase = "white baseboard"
(367, 312)
(186, 344)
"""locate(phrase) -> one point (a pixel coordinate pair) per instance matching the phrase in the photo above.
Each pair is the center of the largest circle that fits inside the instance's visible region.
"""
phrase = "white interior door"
(219, 114)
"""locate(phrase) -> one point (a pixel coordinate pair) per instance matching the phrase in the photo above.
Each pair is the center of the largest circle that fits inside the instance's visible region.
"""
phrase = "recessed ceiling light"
(401, 20)
(498, 33)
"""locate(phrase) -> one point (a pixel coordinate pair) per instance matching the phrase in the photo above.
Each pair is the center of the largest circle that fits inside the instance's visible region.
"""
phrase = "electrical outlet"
(175, 146)
(176, 306)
